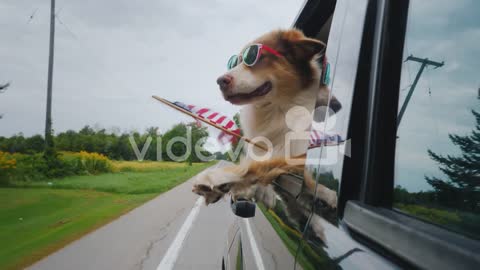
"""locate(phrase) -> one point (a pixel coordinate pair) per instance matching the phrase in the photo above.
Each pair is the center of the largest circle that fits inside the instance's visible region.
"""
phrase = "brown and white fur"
(268, 90)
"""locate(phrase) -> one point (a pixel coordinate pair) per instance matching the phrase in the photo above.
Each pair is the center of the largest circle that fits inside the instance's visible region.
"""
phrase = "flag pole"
(168, 103)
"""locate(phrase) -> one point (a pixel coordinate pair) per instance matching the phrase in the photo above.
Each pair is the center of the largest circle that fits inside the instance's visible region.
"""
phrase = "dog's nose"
(335, 105)
(225, 82)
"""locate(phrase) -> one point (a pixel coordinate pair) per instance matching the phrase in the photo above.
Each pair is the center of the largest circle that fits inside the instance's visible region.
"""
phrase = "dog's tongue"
(260, 91)
(263, 89)
(236, 100)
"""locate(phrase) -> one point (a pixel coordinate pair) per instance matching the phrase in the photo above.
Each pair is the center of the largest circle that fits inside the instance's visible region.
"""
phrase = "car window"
(437, 166)
(326, 154)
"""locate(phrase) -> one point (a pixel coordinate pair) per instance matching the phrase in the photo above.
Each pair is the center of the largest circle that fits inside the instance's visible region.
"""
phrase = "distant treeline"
(113, 145)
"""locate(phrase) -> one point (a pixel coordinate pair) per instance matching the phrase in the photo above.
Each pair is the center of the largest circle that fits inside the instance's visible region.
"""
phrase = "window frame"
(312, 15)
(367, 184)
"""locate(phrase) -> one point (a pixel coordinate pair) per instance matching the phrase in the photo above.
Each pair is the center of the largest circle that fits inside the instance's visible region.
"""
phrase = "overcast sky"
(111, 56)
(441, 30)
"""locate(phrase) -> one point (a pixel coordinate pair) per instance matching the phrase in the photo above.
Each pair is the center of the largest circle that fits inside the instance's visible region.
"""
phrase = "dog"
(285, 75)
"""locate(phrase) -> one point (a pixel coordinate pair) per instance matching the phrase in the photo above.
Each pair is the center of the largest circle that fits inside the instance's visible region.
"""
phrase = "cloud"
(120, 53)
(444, 97)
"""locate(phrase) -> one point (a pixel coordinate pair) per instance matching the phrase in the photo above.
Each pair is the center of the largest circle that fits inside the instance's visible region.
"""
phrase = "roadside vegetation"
(454, 201)
(464, 222)
(38, 217)
(113, 144)
(50, 196)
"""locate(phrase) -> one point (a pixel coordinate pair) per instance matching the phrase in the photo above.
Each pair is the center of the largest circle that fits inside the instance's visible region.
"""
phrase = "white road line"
(173, 251)
(253, 244)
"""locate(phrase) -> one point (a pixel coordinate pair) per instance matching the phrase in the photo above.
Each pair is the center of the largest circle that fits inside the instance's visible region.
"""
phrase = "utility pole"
(48, 120)
(3, 88)
(425, 62)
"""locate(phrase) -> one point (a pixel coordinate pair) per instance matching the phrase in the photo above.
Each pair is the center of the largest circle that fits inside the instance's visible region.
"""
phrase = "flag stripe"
(229, 124)
(214, 117)
(318, 138)
(220, 120)
(211, 116)
(202, 111)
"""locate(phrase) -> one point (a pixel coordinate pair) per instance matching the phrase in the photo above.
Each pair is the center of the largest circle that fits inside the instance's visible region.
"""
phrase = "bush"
(30, 168)
(7, 166)
(35, 167)
(88, 163)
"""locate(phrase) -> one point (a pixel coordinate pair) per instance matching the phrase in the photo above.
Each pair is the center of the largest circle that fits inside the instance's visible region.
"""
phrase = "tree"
(462, 188)
(179, 149)
(34, 144)
(235, 142)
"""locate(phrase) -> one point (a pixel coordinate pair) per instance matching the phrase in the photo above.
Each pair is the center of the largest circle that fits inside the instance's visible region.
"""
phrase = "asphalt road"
(140, 239)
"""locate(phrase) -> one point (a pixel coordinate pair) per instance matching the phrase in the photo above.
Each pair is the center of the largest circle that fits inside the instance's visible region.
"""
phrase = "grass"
(129, 166)
(310, 257)
(137, 181)
(462, 222)
(38, 218)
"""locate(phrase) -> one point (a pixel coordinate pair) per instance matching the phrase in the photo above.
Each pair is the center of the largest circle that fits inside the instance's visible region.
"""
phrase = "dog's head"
(274, 77)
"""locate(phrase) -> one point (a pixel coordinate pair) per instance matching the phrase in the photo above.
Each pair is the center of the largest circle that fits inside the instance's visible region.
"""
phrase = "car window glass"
(437, 166)
(325, 155)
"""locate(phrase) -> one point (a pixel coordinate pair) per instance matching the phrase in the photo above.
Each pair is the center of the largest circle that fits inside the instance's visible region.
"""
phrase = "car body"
(366, 52)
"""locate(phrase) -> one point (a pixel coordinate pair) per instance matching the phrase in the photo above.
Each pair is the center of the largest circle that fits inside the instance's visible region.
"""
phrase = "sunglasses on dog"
(251, 55)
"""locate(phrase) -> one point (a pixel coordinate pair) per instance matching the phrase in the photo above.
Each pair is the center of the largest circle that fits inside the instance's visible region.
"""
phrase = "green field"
(466, 223)
(37, 218)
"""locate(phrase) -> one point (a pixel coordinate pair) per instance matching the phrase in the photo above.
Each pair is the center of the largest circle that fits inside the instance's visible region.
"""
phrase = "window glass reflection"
(437, 173)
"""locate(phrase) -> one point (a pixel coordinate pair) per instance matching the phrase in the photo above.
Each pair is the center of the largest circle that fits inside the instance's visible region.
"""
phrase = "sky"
(112, 56)
(440, 30)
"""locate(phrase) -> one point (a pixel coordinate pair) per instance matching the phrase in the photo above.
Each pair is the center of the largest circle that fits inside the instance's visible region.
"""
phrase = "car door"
(392, 148)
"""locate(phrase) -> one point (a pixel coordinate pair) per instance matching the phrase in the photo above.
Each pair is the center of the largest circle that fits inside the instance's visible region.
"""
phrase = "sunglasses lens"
(250, 55)
(232, 62)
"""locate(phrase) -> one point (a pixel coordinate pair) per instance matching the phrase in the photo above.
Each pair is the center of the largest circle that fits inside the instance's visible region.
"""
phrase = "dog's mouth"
(262, 90)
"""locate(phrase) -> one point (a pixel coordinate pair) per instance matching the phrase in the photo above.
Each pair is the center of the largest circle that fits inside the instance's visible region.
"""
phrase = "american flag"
(214, 117)
(319, 138)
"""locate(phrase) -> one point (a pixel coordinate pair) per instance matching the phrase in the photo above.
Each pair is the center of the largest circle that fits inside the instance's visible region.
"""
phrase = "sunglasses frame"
(261, 49)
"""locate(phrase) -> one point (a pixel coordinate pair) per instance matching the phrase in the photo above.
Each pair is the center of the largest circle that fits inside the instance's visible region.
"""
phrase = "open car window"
(325, 156)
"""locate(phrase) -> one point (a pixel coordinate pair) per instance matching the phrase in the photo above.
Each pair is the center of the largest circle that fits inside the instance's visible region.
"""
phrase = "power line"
(32, 15)
(57, 16)
(66, 27)
(433, 114)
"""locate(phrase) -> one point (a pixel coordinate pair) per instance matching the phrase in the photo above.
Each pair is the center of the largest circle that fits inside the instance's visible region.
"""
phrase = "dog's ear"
(307, 48)
(301, 47)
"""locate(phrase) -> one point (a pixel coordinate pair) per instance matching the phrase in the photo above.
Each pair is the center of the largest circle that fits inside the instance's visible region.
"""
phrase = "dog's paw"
(330, 197)
(211, 195)
(213, 184)
(318, 228)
